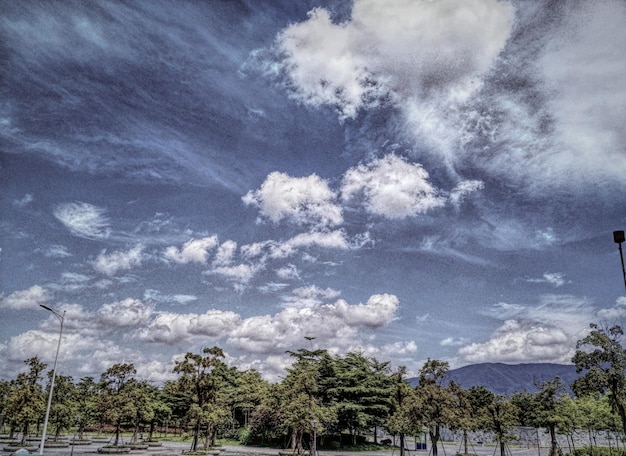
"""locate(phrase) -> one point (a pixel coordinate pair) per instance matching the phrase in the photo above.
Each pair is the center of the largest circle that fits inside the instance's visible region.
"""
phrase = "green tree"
(86, 399)
(64, 406)
(25, 402)
(500, 416)
(603, 358)
(301, 403)
(116, 400)
(406, 417)
(548, 412)
(361, 391)
(200, 380)
(438, 404)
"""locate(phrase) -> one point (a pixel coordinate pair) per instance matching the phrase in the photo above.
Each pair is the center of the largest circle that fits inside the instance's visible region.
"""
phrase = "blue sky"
(407, 179)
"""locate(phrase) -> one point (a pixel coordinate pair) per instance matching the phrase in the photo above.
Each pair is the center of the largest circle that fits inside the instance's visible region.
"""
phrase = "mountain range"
(507, 379)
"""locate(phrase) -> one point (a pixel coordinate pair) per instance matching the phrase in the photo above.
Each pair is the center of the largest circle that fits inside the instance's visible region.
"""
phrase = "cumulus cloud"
(337, 324)
(192, 251)
(129, 312)
(168, 327)
(391, 187)
(84, 220)
(301, 200)
(30, 298)
(110, 264)
(403, 48)
(225, 253)
(545, 332)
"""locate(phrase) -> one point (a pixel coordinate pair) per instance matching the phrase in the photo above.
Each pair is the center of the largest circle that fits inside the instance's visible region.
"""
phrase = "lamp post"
(61, 318)
(618, 237)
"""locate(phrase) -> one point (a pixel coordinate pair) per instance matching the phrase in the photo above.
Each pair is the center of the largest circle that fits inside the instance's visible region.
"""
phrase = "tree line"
(323, 399)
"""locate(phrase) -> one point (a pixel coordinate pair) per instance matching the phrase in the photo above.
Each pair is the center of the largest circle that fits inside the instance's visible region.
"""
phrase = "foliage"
(25, 402)
(603, 358)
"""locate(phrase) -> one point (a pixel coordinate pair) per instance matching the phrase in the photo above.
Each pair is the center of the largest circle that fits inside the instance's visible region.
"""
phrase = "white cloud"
(24, 201)
(57, 251)
(391, 187)
(84, 220)
(129, 312)
(30, 298)
(584, 71)
(426, 56)
(194, 250)
(546, 332)
(553, 278)
(241, 273)
(301, 200)
(463, 189)
(168, 327)
(336, 324)
(120, 260)
(225, 253)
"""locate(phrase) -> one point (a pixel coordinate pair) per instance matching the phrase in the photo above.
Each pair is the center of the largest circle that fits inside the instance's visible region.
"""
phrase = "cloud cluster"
(392, 187)
(25, 299)
(339, 325)
(546, 332)
(413, 50)
(110, 264)
(302, 200)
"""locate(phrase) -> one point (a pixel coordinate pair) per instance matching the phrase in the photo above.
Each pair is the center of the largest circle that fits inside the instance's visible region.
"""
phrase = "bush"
(245, 436)
(598, 451)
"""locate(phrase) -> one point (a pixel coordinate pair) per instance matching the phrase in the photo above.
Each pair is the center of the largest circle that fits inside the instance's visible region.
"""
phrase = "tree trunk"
(402, 444)
(465, 440)
(434, 438)
(196, 431)
(553, 443)
(117, 434)
(502, 448)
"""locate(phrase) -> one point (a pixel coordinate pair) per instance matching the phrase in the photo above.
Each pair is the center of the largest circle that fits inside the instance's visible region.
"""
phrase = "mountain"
(507, 379)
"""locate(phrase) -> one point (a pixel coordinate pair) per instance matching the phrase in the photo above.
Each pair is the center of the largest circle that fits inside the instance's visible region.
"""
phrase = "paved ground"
(175, 449)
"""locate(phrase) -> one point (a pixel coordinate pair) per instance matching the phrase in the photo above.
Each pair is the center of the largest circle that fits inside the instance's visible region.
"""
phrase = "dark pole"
(618, 237)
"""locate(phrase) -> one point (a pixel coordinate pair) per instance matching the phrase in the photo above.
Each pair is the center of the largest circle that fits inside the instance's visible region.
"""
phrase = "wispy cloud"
(84, 220)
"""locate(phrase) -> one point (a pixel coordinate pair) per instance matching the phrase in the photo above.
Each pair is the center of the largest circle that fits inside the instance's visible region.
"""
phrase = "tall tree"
(548, 413)
(199, 378)
(603, 358)
(64, 406)
(116, 400)
(406, 417)
(301, 405)
(86, 399)
(25, 402)
(500, 416)
(439, 406)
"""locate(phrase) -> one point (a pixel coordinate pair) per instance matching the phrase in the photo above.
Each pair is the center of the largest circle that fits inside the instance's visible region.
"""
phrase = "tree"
(86, 400)
(500, 416)
(116, 401)
(360, 389)
(64, 406)
(548, 412)
(437, 401)
(406, 417)
(603, 357)
(199, 379)
(25, 402)
(301, 404)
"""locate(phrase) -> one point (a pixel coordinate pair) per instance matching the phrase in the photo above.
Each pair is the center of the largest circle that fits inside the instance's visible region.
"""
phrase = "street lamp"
(618, 237)
(61, 318)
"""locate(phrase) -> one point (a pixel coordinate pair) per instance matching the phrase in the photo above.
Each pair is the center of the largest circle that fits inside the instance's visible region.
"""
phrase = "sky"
(405, 179)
